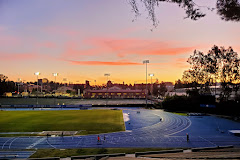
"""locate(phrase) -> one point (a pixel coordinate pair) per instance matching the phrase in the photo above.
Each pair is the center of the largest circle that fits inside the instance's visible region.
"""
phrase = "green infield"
(86, 121)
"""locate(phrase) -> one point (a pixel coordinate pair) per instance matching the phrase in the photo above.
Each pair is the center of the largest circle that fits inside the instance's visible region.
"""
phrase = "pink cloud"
(123, 47)
(102, 63)
(139, 47)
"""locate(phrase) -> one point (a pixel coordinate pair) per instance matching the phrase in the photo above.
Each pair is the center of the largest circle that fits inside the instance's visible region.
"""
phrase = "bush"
(181, 103)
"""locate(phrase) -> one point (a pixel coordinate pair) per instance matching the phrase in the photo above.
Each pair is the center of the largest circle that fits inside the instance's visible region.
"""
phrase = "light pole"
(55, 75)
(151, 75)
(107, 74)
(95, 84)
(146, 62)
(19, 80)
(37, 74)
(65, 81)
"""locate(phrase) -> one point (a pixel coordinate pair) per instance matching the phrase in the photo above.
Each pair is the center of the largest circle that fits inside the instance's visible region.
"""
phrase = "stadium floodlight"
(151, 74)
(55, 74)
(145, 61)
(37, 73)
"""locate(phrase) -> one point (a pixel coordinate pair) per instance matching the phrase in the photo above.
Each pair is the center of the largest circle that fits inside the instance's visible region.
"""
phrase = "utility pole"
(146, 62)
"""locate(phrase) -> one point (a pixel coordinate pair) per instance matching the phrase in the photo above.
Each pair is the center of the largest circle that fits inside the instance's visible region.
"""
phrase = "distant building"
(25, 94)
(87, 85)
(45, 80)
(64, 91)
(169, 86)
(7, 94)
(114, 93)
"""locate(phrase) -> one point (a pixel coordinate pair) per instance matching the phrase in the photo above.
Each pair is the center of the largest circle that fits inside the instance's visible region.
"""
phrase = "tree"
(220, 64)
(155, 88)
(197, 75)
(178, 84)
(228, 10)
(162, 89)
(5, 85)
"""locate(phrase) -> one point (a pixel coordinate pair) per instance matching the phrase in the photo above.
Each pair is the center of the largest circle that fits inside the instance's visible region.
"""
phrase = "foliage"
(219, 65)
(68, 91)
(180, 103)
(228, 10)
(178, 84)
(159, 89)
(5, 85)
(155, 89)
(162, 89)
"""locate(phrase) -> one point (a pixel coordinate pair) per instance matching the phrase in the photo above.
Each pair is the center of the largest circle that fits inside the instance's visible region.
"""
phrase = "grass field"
(92, 121)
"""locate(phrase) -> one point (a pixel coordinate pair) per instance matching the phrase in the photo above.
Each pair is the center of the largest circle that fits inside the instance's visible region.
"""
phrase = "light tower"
(107, 74)
(37, 74)
(146, 62)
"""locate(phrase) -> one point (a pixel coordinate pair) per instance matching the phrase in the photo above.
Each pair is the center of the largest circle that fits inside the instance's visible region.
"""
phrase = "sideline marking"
(36, 143)
(207, 140)
(6, 142)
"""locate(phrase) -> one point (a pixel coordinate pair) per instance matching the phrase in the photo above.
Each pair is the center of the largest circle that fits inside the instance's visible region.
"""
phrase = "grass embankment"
(178, 113)
(91, 121)
(41, 153)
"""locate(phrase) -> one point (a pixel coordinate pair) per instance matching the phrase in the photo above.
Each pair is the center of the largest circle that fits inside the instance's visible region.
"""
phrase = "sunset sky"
(84, 39)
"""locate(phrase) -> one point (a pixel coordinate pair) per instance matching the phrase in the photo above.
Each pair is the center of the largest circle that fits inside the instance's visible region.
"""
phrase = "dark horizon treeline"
(219, 65)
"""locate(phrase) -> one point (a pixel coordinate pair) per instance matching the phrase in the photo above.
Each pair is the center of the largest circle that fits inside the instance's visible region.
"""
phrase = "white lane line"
(6, 142)
(12, 142)
(36, 143)
(182, 129)
(207, 140)
(50, 144)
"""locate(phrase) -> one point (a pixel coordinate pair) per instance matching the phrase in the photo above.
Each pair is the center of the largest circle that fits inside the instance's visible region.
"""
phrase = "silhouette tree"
(219, 63)
(228, 10)
(5, 85)
(162, 89)
(178, 84)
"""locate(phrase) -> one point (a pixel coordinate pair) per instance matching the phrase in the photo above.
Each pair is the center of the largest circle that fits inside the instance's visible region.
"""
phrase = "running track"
(145, 130)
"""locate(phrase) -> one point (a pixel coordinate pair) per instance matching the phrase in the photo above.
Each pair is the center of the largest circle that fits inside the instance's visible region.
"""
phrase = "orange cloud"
(102, 63)
(124, 47)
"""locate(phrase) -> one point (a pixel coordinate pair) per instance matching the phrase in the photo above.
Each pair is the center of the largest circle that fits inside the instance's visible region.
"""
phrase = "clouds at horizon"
(87, 39)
